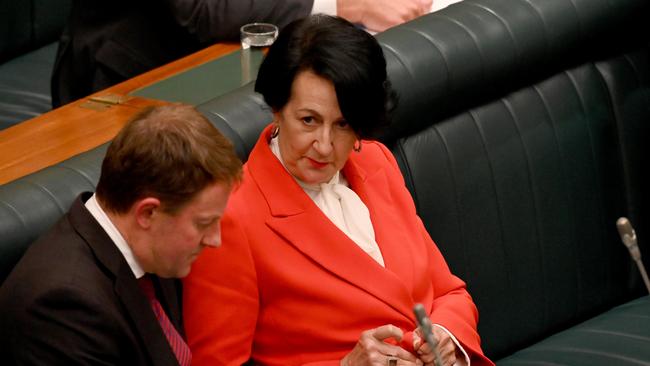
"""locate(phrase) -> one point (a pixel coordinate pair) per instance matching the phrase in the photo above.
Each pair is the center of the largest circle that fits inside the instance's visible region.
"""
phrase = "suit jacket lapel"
(297, 219)
(170, 294)
(375, 192)
(139, 309)
(125, 284)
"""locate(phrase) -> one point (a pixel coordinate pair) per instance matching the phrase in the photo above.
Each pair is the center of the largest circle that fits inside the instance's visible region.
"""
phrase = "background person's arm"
(220, 20)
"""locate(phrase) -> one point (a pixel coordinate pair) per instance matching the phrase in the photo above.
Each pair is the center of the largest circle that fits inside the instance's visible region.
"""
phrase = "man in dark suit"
(107, 42)
(100, 287)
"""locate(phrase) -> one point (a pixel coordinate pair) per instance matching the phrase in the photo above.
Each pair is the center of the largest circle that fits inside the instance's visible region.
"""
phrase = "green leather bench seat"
(31, 205)
(522, 193)
(618, 337)
(25, 86)
(29, 31)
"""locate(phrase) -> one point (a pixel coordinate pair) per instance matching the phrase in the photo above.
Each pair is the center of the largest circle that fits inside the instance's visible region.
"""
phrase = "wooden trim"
(72, 129)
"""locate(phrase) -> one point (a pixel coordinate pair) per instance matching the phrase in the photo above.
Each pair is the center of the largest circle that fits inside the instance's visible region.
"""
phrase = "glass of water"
(254, 38)
(258, 35)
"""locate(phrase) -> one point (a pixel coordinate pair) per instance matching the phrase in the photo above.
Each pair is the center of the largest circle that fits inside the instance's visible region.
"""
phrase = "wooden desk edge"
(67, 131)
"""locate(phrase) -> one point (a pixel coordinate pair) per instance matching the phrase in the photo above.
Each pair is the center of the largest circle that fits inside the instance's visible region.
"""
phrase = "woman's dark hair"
(334, 49)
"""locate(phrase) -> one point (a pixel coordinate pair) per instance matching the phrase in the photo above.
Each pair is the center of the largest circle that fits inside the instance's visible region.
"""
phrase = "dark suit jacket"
(73, 300)
(107, 42)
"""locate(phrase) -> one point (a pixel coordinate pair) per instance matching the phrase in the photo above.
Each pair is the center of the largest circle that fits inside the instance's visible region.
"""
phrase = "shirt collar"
(105, 222)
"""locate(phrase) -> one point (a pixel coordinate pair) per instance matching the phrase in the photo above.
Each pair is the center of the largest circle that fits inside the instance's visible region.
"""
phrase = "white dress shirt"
(324, 6)
(329, 6)
(100, 215)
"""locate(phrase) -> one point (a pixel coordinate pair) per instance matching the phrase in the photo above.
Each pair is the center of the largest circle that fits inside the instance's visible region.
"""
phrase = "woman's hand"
(372, 350)
(447, 349)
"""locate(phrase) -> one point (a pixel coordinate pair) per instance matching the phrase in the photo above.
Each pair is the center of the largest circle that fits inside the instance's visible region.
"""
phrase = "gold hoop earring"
(275, 132)
(357, 146)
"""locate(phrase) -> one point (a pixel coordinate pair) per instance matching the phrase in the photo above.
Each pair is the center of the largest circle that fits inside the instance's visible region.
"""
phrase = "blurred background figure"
(107, 42)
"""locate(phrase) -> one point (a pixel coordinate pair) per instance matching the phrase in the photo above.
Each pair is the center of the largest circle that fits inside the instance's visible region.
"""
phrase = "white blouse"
(342, 206)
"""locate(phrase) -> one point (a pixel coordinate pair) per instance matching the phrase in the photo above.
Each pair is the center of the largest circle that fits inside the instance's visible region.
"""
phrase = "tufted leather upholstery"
(530, 126)
(521, 132)
(522, 194)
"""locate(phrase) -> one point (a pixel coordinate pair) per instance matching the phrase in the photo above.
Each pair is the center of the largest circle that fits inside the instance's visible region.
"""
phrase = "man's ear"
(145, 210)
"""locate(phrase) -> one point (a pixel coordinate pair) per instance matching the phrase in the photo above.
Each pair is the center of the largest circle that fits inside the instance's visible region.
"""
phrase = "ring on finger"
(391, 361)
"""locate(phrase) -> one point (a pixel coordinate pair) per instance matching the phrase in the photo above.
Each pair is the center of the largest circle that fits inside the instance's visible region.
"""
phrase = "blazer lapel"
(139, 309)
(375, 192)
(125, 284)
(170, 295)
(297, 219)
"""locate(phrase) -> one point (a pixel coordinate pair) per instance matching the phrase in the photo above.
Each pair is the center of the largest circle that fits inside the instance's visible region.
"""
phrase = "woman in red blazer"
(323, 253)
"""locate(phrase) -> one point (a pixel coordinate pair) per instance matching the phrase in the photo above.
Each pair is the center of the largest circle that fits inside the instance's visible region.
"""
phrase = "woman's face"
(315, 141)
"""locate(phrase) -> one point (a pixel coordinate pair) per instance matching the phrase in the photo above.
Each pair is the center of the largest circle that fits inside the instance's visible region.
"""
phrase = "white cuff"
(440, 4)
(467, 362)
(324, 6)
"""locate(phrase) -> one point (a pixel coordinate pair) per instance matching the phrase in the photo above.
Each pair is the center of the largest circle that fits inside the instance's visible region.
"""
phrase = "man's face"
(177, 240)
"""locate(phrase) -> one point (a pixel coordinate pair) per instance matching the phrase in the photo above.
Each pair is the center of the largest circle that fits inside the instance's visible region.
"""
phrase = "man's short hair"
(169, 152)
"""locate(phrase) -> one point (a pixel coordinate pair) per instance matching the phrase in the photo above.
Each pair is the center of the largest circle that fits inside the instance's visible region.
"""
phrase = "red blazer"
(289, 288)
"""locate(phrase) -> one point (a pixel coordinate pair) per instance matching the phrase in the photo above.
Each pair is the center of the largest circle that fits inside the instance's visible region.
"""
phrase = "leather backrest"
(240, 116)
(521, 194)
(520, 131)
(29, 24)
(476, 50)
(30, 205)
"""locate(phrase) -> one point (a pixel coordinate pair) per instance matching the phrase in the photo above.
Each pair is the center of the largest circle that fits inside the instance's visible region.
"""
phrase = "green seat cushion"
(619, 337)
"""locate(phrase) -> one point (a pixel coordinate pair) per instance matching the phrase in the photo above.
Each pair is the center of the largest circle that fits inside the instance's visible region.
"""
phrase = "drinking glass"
(255, 37)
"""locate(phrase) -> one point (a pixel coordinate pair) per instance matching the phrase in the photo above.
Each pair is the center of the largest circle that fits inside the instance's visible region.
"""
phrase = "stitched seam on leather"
(476, 43)
(612, 333)
(544, 25)
(595, 167)
(442, 55)
(564, 180)
(79, 172)
(505, 25)
(47, 192)
(452, 174)
(17, 213)
(533, 190)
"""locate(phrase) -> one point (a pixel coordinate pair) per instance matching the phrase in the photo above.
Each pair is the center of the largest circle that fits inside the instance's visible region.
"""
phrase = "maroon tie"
(180, 348)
